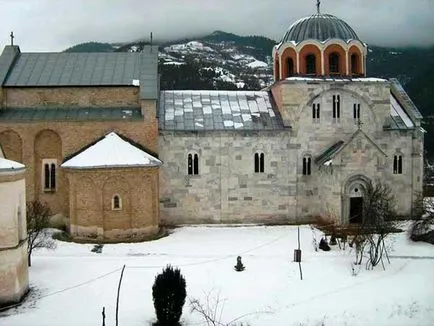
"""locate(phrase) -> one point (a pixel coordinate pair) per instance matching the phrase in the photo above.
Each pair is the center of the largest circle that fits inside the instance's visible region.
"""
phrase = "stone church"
(117, 157)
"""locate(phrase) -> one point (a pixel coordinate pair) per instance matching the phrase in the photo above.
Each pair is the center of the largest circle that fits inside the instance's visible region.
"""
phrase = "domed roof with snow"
(320, 27)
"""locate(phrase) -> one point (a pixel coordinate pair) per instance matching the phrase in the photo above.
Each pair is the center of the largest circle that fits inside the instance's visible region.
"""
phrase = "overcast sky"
(53, 25)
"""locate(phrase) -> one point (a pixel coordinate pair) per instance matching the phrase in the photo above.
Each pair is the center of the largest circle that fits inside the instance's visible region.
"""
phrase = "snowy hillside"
(227, 59)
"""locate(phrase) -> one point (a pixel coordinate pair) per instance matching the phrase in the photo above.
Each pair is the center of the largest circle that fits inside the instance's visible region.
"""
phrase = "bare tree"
(38, 215)
(212, 310)
(379, 221)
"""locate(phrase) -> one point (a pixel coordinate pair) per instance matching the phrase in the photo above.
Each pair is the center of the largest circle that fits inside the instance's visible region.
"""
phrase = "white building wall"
(13, 244)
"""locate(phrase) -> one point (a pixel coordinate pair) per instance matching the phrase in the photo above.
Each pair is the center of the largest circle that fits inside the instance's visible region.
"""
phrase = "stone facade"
(14, 279)
(227, 189)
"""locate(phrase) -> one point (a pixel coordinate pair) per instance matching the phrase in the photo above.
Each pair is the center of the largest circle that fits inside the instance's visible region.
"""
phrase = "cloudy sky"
(53, 25)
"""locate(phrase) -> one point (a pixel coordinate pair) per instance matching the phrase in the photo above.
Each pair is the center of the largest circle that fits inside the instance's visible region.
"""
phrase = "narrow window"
(196, 164)
(53, 176)
(310, 64)
(193, 164)
(307, 161)
(259, 162)
(47, 176)
(256, 163)
(356, 111)
(290, 67)
(116, 202)
(334, 63)
(397, 164)
(336, 106)
(316, 111)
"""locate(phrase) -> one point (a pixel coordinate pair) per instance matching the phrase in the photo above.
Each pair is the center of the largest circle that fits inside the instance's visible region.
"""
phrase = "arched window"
(310, 64)
(290, 67)
(354, 64)
(397, 164)
(336, 106)
(259, 162)
(49, 174)
(116, 202)
(334, 63)
(307, 165)
(315, 112)
(193, 164)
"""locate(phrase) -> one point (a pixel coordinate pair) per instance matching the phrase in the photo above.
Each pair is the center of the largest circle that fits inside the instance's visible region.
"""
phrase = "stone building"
(14, 276)
(306, 146)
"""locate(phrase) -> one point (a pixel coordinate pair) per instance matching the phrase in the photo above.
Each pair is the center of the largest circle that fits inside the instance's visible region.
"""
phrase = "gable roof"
(218, 110)
(339, 146)
(82, 69)
(111, 151)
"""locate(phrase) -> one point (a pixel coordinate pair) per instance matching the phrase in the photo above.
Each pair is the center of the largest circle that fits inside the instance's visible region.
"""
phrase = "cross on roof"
(12, 38)
(318, 5)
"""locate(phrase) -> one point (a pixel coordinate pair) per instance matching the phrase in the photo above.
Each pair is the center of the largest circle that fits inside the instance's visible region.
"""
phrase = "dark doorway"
(356, 209)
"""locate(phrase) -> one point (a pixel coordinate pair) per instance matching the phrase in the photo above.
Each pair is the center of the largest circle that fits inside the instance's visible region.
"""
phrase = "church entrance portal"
(353, 199)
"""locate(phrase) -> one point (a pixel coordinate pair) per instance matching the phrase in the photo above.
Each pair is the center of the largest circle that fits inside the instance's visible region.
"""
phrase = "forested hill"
(223, 60)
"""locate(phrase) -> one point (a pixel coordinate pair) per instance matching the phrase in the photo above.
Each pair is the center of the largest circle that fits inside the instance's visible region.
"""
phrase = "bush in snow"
(323, 245)
(168, 293)
(239, 267)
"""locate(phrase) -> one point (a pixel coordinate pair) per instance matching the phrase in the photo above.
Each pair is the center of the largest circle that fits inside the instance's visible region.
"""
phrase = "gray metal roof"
(319, 27)
(69, 114)
(218, 110)
(86, 69)
(6, 60)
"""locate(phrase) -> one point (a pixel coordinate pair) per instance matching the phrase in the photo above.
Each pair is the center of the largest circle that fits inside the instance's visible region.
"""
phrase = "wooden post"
(103, 316)
(117, 299)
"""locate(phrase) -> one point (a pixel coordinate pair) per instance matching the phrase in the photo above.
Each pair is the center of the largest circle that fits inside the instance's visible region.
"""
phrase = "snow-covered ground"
(71, 284)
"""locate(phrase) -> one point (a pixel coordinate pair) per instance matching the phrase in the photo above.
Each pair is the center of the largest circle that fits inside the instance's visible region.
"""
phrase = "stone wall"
(54, 97)
(227, 189)
(92, 215)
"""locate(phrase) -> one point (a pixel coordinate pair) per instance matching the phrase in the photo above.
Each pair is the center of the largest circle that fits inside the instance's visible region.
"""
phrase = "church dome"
(320, 27)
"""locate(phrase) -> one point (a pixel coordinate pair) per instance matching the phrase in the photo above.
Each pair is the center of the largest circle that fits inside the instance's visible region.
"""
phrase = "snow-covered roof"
(10, 165)
(111, 151)
(218, 110)
(398, 113)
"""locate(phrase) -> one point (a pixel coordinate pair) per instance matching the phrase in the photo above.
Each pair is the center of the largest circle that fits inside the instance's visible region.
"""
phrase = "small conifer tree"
(168, 293)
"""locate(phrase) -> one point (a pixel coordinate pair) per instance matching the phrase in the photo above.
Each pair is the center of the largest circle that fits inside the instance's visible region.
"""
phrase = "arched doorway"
(353, 199)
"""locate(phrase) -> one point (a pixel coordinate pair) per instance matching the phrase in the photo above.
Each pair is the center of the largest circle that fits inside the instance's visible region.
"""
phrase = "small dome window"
(116, 202)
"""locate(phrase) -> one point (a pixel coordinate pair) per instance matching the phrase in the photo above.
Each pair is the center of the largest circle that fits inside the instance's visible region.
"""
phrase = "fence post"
(117, 299)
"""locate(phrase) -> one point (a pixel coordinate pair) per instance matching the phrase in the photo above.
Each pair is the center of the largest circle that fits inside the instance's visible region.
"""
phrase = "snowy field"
(71, 284)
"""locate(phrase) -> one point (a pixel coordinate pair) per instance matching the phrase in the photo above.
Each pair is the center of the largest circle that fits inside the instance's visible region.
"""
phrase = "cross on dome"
(318, 5)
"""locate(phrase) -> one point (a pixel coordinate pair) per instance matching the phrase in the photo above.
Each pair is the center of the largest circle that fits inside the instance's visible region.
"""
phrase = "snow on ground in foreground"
(73, 284)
